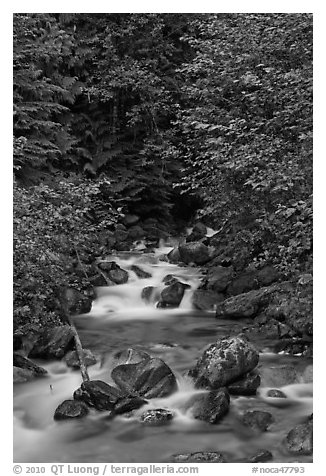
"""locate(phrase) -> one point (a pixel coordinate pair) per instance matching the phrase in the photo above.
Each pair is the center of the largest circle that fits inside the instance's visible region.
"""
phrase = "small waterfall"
(125, 300)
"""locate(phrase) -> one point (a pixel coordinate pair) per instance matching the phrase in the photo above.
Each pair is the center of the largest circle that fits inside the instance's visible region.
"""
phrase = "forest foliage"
(158, 107)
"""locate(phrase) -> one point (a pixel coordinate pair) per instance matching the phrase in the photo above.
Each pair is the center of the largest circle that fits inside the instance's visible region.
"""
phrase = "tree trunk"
(78, 344)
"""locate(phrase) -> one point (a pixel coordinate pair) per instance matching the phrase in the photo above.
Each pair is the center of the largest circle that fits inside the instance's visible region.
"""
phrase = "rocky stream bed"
(188, 358)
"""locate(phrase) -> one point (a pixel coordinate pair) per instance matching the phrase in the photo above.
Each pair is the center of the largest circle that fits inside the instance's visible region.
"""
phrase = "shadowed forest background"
(169, 117)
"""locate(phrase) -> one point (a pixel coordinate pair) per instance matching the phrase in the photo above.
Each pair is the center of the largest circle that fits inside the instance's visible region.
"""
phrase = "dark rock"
(210, 407)
(218, 278)
(260, 457)
(149, 378)
(243, 305)
(198, 232)
(247, 385)
(130, 356)
(275, 393)
(257, 420)
(253, 279)
(194, 252)
(199, 457)
(299, 440)
(169, 279)
(224, 362)
(98, 280)
(120, 235)
(98, 394)
(110, 240)
(116, 274)
(70, 409)
(17, 342)
(128, 404)
(140, 272)
(129, 219)
(172, 295)
(78, 303)
(158, 416)
(136, 233)
(174, 256)
(53, 343)
(206, 300)
(150, 294)
(26, 364)
(125, 246)
(72, 360)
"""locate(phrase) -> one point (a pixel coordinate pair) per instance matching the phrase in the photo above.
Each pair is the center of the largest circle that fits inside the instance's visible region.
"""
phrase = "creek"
(121, 319)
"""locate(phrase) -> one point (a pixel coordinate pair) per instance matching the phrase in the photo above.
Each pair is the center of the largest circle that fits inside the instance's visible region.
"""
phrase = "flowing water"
(120, 319)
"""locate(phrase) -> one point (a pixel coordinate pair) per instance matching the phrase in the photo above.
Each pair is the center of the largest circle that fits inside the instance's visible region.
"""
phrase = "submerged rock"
(53, 343)
(70, 409)
(194, 252)
(278, 376)
(224, 362)
(150, 293)
(210, 407)
(257, 420)
(150, 378)
(275, 393)
(72, 360)
(299, 440)
(247, 385)
(140, 272)
(98, 394)
(158, 416)
(199, 457)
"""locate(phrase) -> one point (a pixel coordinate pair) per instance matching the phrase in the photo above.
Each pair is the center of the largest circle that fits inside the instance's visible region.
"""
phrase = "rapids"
(119, 319)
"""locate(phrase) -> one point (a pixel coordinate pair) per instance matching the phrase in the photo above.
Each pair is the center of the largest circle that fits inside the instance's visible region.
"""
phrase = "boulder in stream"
(199, 457)
(98, 394)
(150, 378)
(172, 295)
(70, 409)
(211, 406)
(113, 271)
(224, 362)
(194, 252)
(257, 420)
(53, 343)
(299, 440)
(72, 360)
(157, 416)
